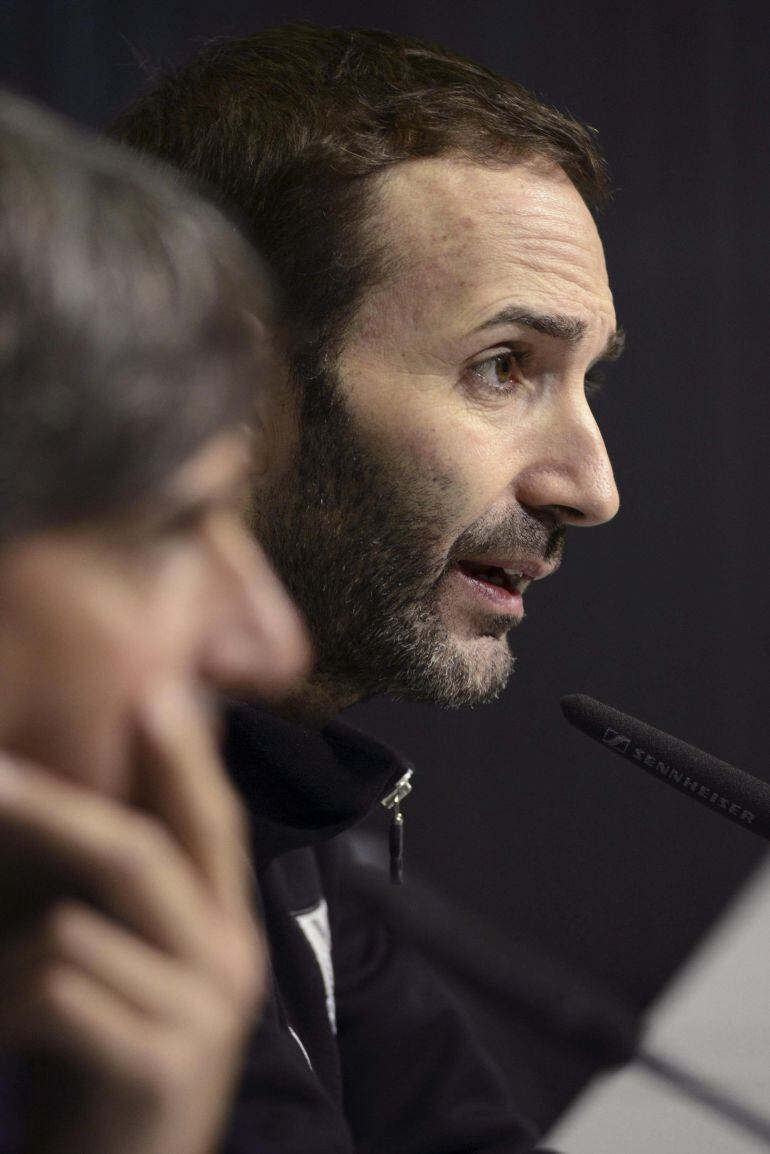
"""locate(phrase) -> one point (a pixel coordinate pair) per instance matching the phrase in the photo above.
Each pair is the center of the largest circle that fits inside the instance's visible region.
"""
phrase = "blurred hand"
(145, 990)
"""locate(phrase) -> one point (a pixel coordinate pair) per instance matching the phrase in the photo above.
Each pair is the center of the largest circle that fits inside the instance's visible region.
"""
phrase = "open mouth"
(507, 579)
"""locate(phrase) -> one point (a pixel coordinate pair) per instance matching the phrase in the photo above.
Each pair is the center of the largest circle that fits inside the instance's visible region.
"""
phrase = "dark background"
(516, 817)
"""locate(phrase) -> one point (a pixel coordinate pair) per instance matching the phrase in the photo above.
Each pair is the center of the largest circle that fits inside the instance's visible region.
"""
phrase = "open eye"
(500, 373)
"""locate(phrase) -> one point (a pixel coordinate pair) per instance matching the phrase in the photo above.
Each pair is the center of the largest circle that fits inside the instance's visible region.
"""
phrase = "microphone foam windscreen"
(736, 795)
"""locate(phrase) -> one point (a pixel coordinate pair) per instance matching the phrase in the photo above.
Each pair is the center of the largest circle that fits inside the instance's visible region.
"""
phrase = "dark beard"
(359, 538)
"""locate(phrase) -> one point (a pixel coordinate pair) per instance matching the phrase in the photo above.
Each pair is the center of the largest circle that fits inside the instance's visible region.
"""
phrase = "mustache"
(520, 534)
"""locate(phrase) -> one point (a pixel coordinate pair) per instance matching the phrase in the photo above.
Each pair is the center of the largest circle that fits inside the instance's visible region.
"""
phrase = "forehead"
(465, 239)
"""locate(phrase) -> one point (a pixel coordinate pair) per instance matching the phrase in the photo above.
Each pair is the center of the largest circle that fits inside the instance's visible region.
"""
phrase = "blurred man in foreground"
(132, 345)
(416, 468)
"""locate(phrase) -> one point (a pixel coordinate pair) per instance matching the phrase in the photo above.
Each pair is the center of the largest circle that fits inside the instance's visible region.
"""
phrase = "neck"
(315, 702)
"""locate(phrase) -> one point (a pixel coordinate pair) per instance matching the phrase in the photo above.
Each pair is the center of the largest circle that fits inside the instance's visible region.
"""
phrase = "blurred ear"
(273, 425)
(265, 386)
(259, 449)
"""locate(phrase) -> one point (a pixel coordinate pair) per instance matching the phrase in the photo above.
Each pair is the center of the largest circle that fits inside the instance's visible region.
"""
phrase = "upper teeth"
(517, 580)
(512, 578)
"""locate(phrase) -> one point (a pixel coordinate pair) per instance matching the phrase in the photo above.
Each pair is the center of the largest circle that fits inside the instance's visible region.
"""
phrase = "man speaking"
(417, 464)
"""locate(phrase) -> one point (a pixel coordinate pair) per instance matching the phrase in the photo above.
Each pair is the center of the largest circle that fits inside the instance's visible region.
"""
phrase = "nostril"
(569, 514)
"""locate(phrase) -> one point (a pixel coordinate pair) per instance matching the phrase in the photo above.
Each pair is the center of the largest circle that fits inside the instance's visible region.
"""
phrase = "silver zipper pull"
(392, 801)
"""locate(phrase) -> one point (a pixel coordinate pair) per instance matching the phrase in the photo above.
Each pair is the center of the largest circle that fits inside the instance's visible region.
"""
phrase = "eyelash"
(593, 381)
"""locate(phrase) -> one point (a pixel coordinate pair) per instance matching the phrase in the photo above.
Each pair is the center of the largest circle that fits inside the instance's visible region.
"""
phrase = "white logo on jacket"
(315, 926)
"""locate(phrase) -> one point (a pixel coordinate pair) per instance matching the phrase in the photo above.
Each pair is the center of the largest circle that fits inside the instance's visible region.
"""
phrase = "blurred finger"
(147, 979)
(126, 863)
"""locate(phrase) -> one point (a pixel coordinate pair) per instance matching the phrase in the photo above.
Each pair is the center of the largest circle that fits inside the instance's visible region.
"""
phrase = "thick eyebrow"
(563, 328)
(615, 346)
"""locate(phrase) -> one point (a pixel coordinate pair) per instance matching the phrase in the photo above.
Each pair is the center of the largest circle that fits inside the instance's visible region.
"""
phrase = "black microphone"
(733, 793)
(726, 790)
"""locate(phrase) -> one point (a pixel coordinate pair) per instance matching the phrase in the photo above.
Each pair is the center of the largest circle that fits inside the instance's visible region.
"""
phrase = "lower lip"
(492, 596)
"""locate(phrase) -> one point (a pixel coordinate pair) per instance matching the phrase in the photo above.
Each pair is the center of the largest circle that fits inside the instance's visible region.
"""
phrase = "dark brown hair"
(127, 333)
(290, 124)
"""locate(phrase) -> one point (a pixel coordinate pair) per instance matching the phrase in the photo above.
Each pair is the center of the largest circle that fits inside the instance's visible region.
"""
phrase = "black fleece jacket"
(361, 1048)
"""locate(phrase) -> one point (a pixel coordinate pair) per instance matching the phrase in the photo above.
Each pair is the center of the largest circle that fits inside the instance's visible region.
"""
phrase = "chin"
(459, 674)
(488, 665)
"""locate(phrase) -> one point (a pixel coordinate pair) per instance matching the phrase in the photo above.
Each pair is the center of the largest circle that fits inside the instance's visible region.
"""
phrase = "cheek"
(81, 645)
(460, 458)
(466, 469)
(154, 644)
(81, 688)
(79, 666)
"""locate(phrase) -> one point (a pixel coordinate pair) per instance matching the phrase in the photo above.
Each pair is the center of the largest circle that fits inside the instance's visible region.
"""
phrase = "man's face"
(172, 594)
(438, 466)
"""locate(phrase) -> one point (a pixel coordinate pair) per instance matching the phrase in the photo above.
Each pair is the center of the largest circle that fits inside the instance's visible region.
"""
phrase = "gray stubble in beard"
(357, 536)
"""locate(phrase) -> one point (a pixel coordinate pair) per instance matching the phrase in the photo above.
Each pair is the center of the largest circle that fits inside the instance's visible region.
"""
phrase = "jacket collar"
(303, 786)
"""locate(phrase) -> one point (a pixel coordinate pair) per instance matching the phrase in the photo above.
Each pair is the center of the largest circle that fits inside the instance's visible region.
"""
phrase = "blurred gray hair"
(132, 323)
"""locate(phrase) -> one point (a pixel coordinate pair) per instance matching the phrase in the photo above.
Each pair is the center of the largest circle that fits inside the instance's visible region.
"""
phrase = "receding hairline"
(392, 260)
(300, 122)
(536, 163)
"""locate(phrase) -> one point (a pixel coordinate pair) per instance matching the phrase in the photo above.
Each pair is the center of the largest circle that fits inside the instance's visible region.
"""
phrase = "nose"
(255, 640)
(570, 475)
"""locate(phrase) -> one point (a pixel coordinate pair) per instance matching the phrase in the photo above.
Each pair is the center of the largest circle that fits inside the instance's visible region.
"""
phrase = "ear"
(274, 423)
(259, 446)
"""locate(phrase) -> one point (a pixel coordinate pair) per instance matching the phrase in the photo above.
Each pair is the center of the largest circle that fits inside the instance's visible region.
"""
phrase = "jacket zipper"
(392, 801)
